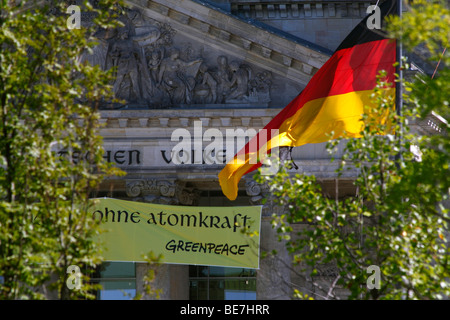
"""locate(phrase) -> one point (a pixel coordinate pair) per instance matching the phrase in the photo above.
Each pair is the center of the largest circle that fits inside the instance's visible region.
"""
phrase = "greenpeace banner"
(184, 235)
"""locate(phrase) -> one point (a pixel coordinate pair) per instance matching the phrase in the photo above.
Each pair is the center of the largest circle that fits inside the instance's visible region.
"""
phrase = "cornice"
(184, 118)
(305, 9)
(296, 60)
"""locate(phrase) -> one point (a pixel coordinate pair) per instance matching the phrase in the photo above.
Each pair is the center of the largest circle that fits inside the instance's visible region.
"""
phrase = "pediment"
(185, 53)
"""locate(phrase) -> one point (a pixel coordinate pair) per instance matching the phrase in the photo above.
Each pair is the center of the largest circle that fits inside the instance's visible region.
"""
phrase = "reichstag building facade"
(217, 64)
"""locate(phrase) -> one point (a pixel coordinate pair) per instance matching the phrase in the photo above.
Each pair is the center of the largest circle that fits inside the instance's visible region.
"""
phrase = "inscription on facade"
(207, 156)
(134, 157)
(120, 157)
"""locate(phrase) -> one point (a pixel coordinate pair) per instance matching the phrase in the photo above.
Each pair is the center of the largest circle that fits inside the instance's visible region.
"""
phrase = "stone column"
(273, 279)
(171, 282)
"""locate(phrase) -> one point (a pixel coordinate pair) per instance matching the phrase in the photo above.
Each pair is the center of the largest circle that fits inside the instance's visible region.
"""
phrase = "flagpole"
(399, 71)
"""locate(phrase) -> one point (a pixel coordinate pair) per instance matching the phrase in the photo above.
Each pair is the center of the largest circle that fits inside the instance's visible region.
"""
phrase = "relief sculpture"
(177, 78)
(151, 72)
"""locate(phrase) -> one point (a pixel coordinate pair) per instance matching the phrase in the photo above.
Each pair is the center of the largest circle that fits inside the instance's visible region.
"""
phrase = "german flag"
(330, 106)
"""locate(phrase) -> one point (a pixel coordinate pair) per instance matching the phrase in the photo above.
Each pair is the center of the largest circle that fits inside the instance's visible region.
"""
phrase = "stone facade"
(224, 65)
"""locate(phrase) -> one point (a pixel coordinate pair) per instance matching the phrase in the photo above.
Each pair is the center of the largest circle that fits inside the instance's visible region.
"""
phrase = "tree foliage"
(48, 102)
(398, 219)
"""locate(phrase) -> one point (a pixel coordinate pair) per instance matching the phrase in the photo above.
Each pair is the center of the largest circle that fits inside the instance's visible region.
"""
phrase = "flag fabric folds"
(330, 106)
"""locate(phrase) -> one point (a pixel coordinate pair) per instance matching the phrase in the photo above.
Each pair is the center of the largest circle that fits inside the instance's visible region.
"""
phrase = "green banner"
(184, 235)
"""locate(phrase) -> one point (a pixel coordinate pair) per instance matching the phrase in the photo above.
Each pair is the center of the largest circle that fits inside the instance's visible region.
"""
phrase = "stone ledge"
(172, 118)
(221, 118)
(279, 9)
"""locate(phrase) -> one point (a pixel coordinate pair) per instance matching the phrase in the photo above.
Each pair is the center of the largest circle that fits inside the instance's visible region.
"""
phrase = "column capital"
(257, 192)
(162, 191)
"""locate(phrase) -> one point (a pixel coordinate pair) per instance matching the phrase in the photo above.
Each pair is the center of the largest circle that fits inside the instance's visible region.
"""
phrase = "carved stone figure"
(239, 81)
(260, 87)
(206, 89)
(125, 57)
(127, 53)
(223, 77)
(153, 64)
(175, 79)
